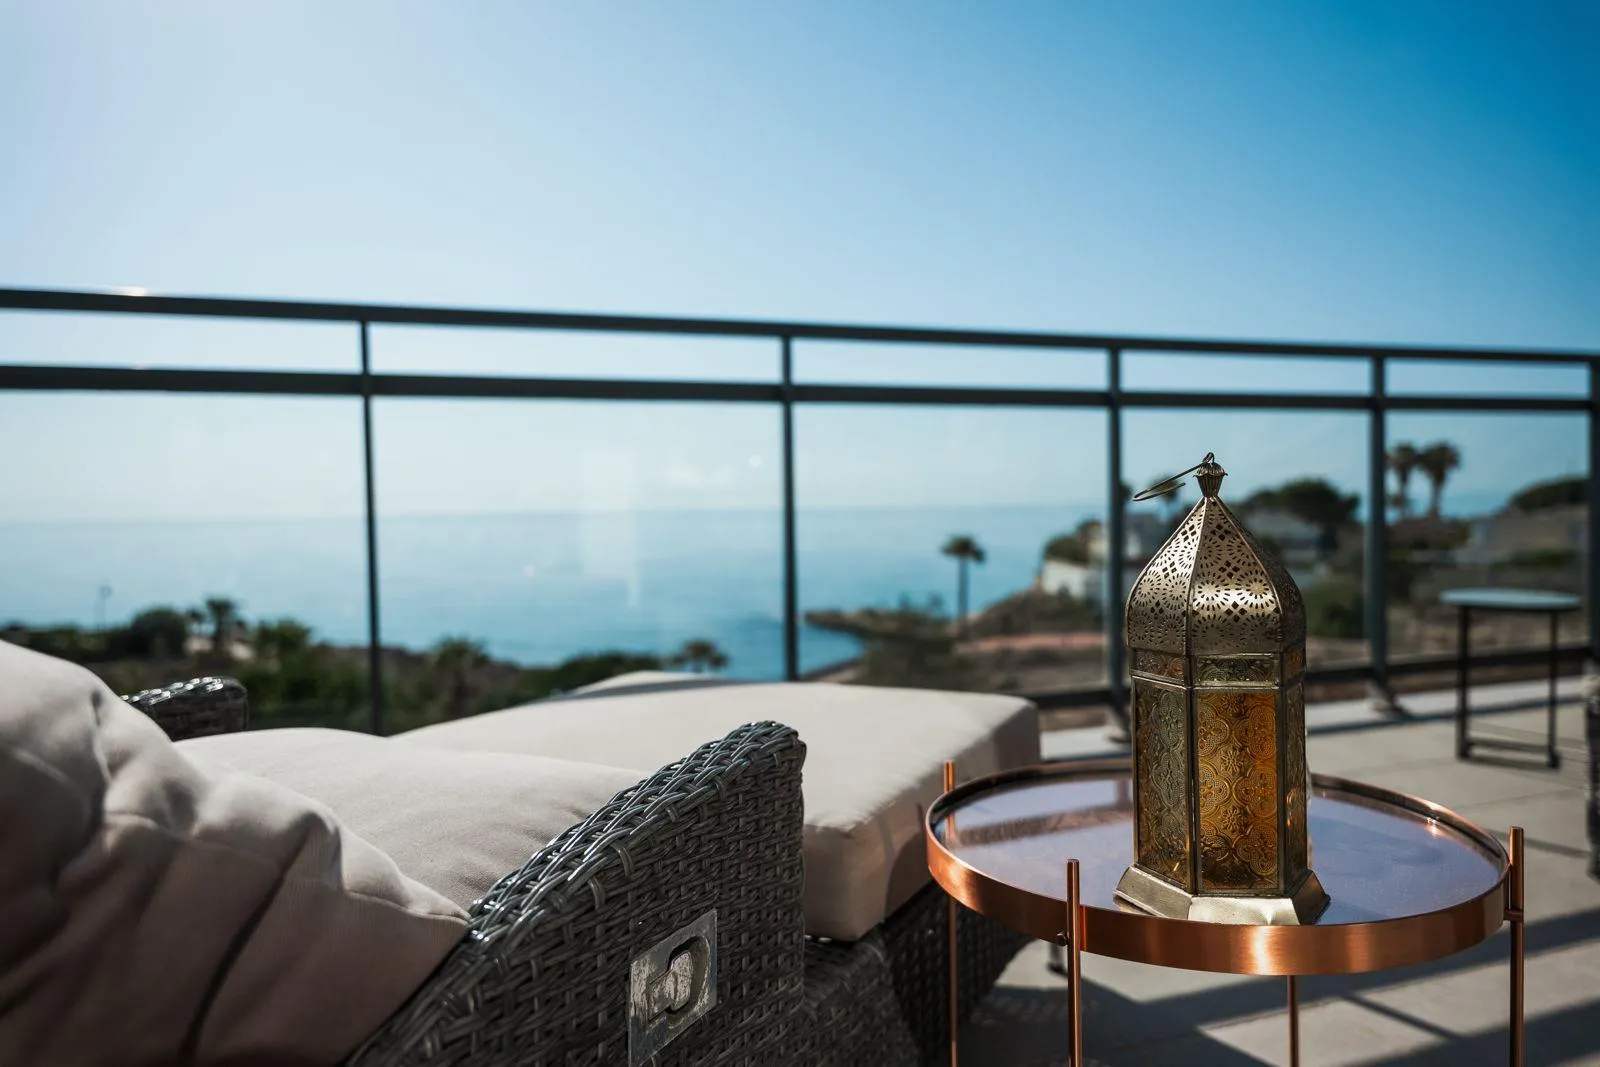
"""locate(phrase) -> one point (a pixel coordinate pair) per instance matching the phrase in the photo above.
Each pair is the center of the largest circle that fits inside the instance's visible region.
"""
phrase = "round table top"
(1510, 599)
(1408, 881)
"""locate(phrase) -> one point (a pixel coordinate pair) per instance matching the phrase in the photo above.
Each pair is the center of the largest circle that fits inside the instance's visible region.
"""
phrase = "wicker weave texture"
(199, 707)
(882, 1000)
(542, 976)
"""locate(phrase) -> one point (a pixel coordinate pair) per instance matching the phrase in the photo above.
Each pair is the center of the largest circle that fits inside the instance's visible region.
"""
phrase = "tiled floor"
(1453, 1011)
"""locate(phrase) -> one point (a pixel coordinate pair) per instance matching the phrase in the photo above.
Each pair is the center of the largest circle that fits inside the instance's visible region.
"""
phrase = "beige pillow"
(457, 822)
(152, 912)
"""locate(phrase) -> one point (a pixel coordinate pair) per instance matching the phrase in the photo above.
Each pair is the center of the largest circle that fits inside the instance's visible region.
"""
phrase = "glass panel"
(537, 546)
(1236, 670)
(1297, 787)
(1161, 664)
(1162, 743)
(1476, 377)
(1181, 372)
(572, 354)
(907, 515)
(1498, 500)
(868, 363)
(83, 340)
(1236, 757)
(1295, 479)
(144, 527)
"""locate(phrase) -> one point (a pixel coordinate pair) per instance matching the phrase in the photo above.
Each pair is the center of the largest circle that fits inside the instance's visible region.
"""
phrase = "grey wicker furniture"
(541, 975)
(536, 979)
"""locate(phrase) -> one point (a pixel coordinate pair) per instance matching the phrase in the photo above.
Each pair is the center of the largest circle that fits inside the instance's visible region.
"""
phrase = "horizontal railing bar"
(451, 386)
(941, 394)
(444, 386)
(1421, 663)
(1315, 401)
(395, 314)
(162, 380)
(1485, 403)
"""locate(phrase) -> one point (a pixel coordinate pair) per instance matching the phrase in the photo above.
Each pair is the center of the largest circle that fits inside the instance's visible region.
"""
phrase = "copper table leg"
(950, 933)
(1074, 966)
(1294, 1021)
(1514, 904)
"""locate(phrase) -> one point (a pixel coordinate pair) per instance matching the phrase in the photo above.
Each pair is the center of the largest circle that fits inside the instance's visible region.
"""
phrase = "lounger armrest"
(542, 976)
(196, 708)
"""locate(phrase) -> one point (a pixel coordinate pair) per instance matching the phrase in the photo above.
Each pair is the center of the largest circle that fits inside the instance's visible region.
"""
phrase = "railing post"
(374, 645)
(1593, 574)
(1116, 548)
(1376, 548)
(791, 586)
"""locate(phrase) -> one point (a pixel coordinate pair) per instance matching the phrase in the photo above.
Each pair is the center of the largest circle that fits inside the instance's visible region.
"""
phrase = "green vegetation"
(1559, 492)
(1072, 547)
(1312, 500)
(295, 680)
(1336, 607)
(964, 549)
(1551, 559)
(699, 656)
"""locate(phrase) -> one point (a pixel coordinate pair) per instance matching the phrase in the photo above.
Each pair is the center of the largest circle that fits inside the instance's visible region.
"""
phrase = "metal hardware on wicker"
(196, 708)
(882, 999)
(542, 975)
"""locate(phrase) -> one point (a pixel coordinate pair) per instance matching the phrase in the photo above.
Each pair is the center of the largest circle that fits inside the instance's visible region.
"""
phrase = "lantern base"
(1156, 895)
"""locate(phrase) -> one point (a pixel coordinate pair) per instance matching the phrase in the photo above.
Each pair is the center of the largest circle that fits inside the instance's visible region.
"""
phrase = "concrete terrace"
(1453, 1011)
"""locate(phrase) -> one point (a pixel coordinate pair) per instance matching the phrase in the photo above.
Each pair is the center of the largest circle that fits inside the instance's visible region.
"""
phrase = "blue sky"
(1317, 171)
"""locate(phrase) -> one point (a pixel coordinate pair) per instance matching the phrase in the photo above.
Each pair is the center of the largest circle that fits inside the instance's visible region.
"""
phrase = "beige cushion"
(455, 821)
(152, 912)
(874, 760)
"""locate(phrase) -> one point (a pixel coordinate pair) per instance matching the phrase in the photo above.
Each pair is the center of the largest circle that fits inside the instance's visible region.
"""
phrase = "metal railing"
(785, 393)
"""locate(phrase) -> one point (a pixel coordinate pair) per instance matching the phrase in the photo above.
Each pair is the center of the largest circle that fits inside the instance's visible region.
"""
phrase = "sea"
(534, 588)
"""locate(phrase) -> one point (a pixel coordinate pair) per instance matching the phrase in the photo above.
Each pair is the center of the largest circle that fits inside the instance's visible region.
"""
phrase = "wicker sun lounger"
(540, 977)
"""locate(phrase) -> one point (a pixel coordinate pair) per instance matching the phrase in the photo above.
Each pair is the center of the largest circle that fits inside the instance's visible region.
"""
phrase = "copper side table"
(1040, 849)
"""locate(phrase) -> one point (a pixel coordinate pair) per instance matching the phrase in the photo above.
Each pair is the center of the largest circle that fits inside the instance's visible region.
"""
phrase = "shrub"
(1335, 607)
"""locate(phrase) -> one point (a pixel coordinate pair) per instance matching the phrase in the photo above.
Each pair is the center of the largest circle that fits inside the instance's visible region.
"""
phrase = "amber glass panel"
(1294, 662)
(1294, 798)
(1163, 747)
(1163, 664)
(1235, 734)
(1236, 670)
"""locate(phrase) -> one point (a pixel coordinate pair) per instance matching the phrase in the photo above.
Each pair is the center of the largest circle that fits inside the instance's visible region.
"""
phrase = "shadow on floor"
(1027, 1027)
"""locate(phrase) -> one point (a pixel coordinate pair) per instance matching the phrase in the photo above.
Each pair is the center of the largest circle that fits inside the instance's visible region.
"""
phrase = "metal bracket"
(671, 986)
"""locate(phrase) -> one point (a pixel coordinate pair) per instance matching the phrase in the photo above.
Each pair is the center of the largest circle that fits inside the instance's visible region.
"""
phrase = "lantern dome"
(1212, 589)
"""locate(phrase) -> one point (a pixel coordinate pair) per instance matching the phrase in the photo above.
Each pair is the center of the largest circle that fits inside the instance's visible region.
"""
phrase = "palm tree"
(700, 655)
(1403, 459)
(457, 658)
(224, 616)
(964, 549)
(1437, 461)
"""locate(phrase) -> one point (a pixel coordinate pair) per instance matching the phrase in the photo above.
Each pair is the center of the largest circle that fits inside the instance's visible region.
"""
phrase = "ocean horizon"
(533, 587)
(540, 587)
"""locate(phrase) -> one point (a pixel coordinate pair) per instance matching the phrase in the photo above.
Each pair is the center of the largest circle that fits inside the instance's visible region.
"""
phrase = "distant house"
(1293, 539)
(1512, 533)
(1085, 579)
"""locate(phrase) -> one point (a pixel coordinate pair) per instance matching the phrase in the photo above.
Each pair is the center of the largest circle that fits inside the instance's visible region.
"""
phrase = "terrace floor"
(1453, 1011)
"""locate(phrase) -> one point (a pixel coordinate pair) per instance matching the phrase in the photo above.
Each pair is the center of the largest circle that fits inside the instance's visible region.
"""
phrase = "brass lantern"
(1216, 634)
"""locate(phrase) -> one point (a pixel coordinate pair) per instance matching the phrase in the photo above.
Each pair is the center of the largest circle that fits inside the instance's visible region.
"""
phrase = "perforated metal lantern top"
(1216, 638)
(1212, 589)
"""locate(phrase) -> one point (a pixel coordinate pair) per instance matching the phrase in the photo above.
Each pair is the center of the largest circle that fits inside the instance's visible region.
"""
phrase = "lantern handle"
(1172, 485)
